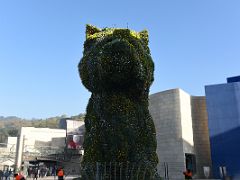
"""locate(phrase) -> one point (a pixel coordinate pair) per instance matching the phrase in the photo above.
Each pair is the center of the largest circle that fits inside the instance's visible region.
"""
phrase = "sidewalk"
(52, 178)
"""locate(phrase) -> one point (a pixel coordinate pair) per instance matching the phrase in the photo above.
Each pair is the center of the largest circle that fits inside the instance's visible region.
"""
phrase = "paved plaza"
(52, 178)
(49, 178)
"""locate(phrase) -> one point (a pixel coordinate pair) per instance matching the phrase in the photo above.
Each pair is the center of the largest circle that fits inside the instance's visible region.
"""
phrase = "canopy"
(7, 162)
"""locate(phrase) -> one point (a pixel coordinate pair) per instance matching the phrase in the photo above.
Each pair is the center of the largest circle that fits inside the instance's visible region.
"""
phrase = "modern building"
(51, 147)
(223, 106)
(181, 123)
(182, 133)
(36, 140)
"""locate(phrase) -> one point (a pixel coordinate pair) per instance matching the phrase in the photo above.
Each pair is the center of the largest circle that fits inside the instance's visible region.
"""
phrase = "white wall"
(30, 136)
(186, 122)
(12, 143)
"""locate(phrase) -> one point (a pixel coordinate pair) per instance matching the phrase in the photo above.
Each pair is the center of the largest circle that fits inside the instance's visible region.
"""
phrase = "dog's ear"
(90, 30)
(144, 36)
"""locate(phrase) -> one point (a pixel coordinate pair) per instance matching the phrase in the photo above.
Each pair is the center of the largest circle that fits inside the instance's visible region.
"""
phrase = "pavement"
(52, 178)
(69, 177)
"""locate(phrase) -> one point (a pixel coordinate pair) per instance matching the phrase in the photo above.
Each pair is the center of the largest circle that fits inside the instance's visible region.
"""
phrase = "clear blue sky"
(193, 43)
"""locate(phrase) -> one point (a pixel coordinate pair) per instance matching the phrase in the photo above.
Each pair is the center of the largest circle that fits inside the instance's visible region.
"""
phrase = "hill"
(9, 126)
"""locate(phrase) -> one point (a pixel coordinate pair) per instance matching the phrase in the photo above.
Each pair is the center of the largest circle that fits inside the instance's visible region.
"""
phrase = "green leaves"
(118, 69)
(116, 60)
(144, 36)
(90, 30)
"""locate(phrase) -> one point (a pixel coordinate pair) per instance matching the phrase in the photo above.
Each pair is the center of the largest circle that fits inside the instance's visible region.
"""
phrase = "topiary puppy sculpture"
(117, 68)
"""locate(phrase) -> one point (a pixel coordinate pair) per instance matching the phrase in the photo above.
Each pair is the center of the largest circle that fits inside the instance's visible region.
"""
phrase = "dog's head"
(116, 60)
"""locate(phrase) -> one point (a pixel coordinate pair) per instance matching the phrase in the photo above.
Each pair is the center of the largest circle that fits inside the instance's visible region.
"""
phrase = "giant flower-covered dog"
(117, 69)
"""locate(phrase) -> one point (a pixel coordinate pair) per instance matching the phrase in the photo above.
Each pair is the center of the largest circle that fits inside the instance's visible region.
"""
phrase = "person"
(19, 177)
(53, 171)
(1, 175)
(29, 172)
(188, 174)
(60, 174)
(10, 173)
(6, 174)
(35, 173)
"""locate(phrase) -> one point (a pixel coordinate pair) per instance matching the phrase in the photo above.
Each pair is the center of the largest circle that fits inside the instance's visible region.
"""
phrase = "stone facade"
(201, 134)
(181, 126)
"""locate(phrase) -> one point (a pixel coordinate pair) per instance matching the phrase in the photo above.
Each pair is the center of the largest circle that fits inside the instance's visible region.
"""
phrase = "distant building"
(75, 132)
(54, 147)
(32, 140)
(223, 106)
(182, 133)
(7, 153)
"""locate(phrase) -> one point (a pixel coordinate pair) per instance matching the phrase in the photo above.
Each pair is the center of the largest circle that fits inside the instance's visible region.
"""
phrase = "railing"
(42, 150)
(53, 153)
(119, 171)
(133, 171)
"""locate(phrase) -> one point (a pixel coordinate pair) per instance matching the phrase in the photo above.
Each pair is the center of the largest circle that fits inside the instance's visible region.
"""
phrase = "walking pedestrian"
(188, 174)
(60, 174)
(35, 173)
(19, 177)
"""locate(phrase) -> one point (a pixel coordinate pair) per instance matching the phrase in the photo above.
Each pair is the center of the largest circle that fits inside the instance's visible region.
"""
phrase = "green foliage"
(116, 50)
(13, 132)
(117, 68)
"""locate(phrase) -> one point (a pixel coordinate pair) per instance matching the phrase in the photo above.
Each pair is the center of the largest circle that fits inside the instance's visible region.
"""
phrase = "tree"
(13, 132)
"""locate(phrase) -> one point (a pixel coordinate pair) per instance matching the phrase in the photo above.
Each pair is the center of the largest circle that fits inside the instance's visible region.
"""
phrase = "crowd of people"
(33, 173)
(36, 172)
(5, 175)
